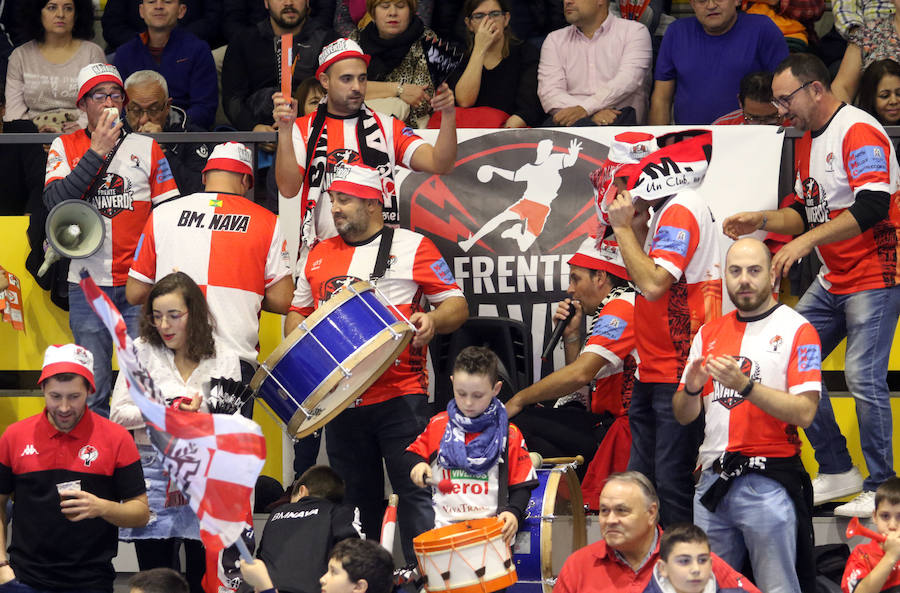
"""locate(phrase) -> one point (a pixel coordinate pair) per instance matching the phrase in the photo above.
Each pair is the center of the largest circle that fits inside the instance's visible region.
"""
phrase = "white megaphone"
(74, 230)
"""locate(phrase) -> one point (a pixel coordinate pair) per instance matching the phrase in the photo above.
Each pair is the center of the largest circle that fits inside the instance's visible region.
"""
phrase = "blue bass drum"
(332, 357)
(555, 512)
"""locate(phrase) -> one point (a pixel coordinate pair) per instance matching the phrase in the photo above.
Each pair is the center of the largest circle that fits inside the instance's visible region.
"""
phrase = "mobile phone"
(115, 113)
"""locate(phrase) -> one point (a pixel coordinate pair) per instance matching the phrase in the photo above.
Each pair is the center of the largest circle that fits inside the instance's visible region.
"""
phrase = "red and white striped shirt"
(232, 248)
(612, 338)
(137, 178)
(778, 349)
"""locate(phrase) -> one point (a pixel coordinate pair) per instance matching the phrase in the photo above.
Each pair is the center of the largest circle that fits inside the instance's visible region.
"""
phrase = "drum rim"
(293, 338)
(579, 526)
(335, 376)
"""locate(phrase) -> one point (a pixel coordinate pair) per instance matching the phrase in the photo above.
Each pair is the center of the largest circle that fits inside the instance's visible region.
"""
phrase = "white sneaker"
(830, 486)
(862, 506)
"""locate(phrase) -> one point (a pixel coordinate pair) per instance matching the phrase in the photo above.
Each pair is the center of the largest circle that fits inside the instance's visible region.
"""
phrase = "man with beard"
(343, 129)
(756, 374)
(390, 414)
(249, 67)
(847, 209)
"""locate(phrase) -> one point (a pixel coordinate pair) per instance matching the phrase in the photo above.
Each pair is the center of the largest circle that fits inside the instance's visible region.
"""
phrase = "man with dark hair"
(184, 60)
(756, 107)
(123, 176)
(624, 558)
(307, 527)
(360, 566)
(845, 208)
(755, 375)
(75, 477)
(158, 580)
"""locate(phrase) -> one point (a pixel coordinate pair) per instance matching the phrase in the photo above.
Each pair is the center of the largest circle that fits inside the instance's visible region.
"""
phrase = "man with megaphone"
(120, 175)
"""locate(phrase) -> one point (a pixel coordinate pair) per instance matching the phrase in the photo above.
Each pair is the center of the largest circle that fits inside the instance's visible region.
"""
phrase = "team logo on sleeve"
(88, 455)
(809, 358)
(442, 271)
(163, 171)
(728, 397)
(609, 327)
(54, 160)
(672, 238)
(867, 159)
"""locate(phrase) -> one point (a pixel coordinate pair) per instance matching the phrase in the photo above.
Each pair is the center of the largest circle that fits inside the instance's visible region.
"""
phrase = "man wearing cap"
(122, 176)
(602, 370)
(389, 415)
(343, 129)
(755, 375)
(680, 289)
(75, 478)
(232, 248)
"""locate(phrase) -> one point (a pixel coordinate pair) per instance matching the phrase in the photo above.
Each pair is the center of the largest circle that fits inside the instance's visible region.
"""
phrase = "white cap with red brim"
(94, 74)
(340, 49)
(359, 181)
(233, 157)
(600, 254)
(68, 358)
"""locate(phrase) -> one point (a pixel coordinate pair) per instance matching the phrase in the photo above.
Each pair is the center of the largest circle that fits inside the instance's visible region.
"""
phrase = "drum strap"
(384, 250)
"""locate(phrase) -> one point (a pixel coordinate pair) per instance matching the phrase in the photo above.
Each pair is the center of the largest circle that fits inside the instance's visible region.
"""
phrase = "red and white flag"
(214, 459)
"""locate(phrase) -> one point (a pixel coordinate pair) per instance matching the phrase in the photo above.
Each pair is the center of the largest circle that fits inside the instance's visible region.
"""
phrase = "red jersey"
(472, 496)
(415, 270)
(778, 349)
(612, 338)
(852, 154)
(232, 248)
(138, 178)
(682, 240)
(399, 142)
(862, 560)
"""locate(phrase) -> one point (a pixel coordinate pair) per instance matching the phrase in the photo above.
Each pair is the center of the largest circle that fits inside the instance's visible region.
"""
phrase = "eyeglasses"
(494, 14)
(100, 96)
(785, 101)
(139, 112)
(762, 119)
(157, 319)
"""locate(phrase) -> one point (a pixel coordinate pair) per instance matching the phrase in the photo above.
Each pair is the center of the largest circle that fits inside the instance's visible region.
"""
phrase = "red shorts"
(533, 214)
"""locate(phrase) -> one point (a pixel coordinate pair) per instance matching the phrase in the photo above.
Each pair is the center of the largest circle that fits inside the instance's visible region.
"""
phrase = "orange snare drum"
(466, 557)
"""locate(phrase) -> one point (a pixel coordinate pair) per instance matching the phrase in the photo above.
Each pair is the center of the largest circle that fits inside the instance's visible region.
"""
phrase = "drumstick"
(577, 460)
(445, 486)
(536, 459)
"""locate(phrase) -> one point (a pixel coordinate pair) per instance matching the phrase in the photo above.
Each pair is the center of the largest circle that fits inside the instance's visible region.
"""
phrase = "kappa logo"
(29, 450)
(88, 454)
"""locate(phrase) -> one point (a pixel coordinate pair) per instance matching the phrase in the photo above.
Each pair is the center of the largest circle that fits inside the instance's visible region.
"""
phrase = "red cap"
(94, 74)
(595, 254)
(340, 49)
(233, 157)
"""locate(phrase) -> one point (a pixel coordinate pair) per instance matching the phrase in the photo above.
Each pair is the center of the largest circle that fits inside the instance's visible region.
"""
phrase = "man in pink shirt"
(596, 68)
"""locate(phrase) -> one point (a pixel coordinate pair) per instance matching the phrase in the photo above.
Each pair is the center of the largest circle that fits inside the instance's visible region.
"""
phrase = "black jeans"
(357, 441)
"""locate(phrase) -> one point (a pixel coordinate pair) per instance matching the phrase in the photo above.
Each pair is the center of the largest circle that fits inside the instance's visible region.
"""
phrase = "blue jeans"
(867, 319)
(663, 450)
(89, 332)
(755, 516)
(357, 440)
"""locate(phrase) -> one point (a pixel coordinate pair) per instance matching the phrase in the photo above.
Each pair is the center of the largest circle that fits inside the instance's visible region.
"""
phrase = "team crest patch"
(809, 358)
(332, 285)
(670, 238)
(442, 271)
(867, 159)
(610, 327)
(727, 397)
(113, 196)
(88, 455)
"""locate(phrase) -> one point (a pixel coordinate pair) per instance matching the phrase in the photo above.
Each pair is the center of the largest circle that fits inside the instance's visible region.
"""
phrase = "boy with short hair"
(307, 528)
(474, 447)
(872, 566)
(685, 563)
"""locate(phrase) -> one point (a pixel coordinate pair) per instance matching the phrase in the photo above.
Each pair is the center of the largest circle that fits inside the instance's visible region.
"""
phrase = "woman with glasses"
(501, 71)
(41, 79)
(177, 349)
(396, 41)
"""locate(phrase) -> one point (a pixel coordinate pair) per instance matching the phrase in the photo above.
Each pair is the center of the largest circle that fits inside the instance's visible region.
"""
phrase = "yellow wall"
(46, 324)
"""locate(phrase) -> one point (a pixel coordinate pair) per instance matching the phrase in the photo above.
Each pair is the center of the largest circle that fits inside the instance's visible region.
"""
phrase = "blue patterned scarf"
(484, 450)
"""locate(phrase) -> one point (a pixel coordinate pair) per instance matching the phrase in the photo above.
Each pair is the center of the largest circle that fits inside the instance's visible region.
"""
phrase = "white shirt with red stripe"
(778, 349)
(416, 270)
(343, 146)
(232, 248)
(682, 240)
(473, 496)
(853, 153)
(612, 338)
(138, 177)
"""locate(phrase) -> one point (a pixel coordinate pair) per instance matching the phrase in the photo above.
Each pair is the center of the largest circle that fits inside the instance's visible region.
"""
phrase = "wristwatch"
(746, 390)
(399, 88)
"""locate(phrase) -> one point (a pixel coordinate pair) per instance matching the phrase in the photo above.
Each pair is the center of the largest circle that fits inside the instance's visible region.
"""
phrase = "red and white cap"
(68, 358)
(340, 49)
(233, 157)
(627, 148)
(94, 74)
(359, 181)
(600, 254)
